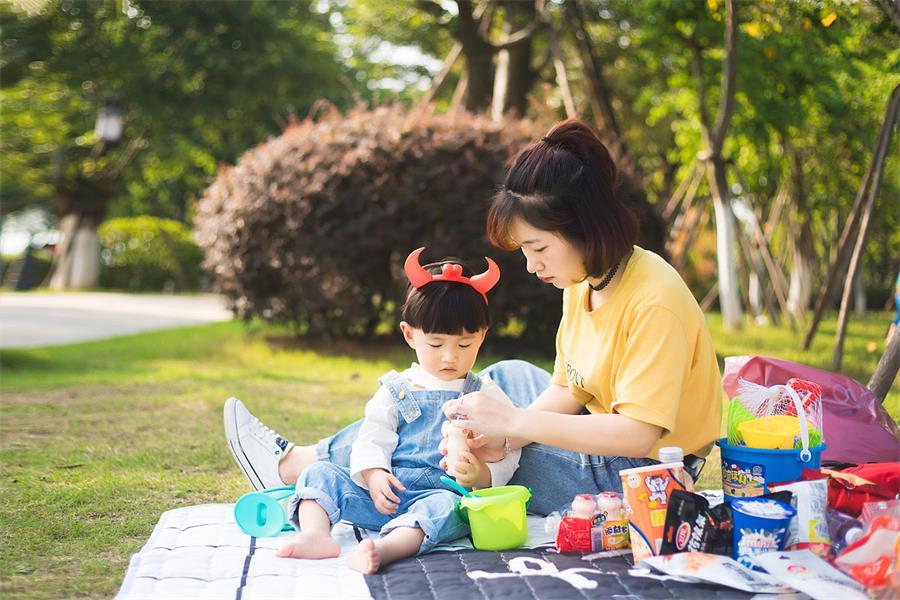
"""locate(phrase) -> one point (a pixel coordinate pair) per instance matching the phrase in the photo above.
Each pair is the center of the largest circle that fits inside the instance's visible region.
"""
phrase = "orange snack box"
(646, 493)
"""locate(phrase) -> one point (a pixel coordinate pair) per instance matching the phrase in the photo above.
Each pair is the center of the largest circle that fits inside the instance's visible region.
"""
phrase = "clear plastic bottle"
(674, 454)
(843, 530)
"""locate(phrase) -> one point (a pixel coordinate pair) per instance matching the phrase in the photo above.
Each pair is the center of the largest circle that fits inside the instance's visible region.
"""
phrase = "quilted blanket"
(199, 552)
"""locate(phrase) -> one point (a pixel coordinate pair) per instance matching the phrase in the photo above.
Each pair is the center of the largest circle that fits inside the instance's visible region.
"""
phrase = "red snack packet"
(850, 488)
(574, 535)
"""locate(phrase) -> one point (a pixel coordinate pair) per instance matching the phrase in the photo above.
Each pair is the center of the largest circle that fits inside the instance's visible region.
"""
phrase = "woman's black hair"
(447, 307)
(565, 183)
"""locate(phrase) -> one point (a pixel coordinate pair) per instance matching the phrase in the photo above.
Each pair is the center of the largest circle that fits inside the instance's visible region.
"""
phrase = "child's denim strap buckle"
(406, 402)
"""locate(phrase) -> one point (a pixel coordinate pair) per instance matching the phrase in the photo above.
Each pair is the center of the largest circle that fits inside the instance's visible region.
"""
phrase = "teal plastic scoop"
(447, 481)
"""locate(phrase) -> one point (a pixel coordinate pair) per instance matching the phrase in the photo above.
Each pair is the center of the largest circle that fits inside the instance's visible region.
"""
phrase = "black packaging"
(692, 526)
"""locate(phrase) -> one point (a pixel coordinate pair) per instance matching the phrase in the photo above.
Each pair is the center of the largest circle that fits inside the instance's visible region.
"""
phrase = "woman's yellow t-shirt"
(646, 353)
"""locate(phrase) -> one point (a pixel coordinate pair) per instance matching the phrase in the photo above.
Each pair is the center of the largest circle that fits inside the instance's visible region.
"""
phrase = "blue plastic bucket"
(747, 471)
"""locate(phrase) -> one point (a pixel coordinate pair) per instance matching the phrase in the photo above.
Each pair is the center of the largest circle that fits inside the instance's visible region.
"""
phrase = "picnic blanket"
(199, 552)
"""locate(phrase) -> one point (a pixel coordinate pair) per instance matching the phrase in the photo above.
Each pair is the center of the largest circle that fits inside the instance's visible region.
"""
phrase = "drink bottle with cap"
(674, 454)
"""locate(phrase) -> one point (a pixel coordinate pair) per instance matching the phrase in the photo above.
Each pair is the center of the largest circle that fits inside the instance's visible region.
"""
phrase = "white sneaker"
(256, 448)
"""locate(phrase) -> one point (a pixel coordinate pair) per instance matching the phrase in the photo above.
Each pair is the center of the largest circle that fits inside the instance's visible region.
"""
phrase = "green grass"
(98, 439)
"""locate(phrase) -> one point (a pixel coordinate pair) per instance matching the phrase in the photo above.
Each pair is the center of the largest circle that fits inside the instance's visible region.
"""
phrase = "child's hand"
(470, 471)
(381, 489)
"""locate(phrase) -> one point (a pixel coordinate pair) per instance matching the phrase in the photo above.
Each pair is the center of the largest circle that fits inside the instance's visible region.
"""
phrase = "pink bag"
(857, 429)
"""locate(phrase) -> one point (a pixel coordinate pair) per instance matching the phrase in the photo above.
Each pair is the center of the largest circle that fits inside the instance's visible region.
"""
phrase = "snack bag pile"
(826, 533)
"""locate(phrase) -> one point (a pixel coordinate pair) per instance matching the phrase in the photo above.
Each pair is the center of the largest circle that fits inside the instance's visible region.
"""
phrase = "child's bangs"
(447, 308)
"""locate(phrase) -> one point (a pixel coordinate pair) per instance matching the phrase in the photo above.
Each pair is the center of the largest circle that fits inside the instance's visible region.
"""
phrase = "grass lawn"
(98, 439)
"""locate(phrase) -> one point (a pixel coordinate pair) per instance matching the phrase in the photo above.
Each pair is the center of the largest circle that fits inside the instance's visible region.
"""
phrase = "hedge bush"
(148, 253)
(312, 227)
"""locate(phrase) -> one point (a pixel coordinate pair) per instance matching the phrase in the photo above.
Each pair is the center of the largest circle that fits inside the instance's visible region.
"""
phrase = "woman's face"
(549, 255)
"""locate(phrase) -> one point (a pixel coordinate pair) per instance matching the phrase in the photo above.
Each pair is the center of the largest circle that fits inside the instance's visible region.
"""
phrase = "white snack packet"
(701, 567)
(804, 571)
(808, 529)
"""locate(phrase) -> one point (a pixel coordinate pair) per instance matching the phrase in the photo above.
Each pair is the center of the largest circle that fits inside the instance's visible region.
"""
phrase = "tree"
(199, 83)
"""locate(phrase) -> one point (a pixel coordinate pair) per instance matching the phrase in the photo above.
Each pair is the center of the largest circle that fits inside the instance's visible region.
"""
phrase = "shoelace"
(261, 430)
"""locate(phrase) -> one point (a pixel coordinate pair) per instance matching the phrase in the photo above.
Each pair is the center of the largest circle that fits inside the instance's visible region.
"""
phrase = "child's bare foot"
(365, 559)
(310, 545)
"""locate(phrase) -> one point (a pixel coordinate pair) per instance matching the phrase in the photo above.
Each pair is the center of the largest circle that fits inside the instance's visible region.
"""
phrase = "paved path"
(39, 319)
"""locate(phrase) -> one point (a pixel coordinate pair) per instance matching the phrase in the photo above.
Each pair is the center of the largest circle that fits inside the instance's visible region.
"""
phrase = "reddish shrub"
(312, 227)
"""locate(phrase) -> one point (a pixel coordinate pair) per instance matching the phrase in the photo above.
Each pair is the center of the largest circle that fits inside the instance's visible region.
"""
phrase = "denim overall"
(554, 475)
(426, 503)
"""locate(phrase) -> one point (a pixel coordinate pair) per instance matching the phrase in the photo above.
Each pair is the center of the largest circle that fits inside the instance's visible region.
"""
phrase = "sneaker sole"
(234, 445)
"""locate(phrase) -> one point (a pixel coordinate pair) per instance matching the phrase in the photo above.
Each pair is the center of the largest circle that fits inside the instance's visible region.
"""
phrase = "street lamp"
(109, 122)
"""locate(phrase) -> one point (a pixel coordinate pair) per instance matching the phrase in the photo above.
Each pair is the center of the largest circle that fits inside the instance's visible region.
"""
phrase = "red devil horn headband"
(419, 277)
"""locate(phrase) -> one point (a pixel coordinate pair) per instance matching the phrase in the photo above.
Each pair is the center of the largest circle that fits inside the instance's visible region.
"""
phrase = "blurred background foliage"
(201, 83)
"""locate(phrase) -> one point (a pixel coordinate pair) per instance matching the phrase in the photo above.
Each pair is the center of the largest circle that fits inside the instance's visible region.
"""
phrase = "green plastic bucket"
(497, 516)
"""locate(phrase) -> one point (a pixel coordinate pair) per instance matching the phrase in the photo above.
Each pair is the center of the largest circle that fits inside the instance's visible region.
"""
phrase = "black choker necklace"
(606, 278)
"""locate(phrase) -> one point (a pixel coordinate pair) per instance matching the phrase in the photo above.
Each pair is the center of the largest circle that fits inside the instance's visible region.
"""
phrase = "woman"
(635, 367)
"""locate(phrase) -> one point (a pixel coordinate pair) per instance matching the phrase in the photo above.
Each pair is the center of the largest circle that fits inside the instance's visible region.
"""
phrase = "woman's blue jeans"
(554, 475)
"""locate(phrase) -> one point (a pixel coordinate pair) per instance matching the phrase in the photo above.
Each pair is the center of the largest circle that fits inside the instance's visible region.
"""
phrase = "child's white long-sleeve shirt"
(377, 438)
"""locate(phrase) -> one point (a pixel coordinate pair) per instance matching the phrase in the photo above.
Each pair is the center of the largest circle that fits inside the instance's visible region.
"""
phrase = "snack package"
(646, 493)
(873, 560)
(610, 523)
(809, 529)
(870, 510)
(699, 567)
(806, 572)
(574, 535)
(692, 526)
(850, 488)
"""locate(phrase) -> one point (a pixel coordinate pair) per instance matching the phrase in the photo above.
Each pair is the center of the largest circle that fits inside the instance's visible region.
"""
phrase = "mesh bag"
(798, 398)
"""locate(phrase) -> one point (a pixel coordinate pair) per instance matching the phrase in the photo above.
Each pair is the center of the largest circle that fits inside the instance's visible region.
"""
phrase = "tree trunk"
(479, 58)
(754, 292)
(859, 294)
(878, 161)
(800, 247)
(501, 83)
(78, 265)
(886, 370)
(714, 140)
(726, 238)
(844, 245)
(521, 76)
(801, 284)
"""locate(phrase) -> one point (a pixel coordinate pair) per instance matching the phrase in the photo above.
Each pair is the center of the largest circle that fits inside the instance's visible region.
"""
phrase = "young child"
(393, 484)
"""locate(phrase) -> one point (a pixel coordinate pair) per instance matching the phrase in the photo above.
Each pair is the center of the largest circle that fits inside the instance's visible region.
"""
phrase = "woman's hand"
(485, 414)
(488, 449)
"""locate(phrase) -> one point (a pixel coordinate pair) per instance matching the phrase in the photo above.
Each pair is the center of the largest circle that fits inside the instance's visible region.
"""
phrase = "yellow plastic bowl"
(772, 433)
